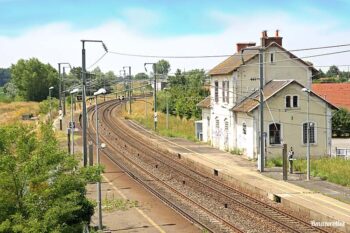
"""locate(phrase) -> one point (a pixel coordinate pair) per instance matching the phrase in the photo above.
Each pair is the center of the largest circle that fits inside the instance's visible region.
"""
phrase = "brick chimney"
(241, 46)
(266, 41)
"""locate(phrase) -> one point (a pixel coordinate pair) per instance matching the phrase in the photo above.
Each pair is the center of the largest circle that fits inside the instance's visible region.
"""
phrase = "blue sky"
(51, 30)
(173, 17)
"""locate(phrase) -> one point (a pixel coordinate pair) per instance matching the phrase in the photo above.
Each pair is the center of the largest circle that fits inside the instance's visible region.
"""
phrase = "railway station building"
(230, 115)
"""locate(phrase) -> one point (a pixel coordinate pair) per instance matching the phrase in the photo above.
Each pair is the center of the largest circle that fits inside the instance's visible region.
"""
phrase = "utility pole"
(84, 116)
(155, 116)
(167, 108)
(63, 91)
(129, 87)
(261, 158)
(262, 133)
(308, 91)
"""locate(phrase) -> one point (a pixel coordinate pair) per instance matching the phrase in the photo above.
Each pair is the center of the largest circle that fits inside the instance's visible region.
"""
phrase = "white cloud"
(60, 42)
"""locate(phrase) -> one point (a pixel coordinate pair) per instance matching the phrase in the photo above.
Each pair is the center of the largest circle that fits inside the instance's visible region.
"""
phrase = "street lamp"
(96, 94)
(50, 89)
(155, 117)
(63, 87)
(61, 91)
(72, 125)
(84, 115)
(308, 91)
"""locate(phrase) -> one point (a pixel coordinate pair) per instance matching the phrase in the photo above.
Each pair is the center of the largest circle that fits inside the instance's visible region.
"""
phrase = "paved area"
(307, 197)
(149, 216)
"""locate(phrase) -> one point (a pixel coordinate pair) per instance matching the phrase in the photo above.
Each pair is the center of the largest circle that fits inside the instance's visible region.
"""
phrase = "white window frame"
(302, 133)
(281, 133)
(291, 101)
(285, 101)
(216, 91)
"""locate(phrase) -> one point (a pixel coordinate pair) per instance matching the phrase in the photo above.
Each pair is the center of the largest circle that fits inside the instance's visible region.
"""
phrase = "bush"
(275, 162)
(44, 106)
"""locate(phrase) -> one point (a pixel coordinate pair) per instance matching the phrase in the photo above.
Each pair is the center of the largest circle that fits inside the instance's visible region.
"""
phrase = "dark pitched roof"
(235, 61)
(336, 93)
(232, 63)
(204, 103)
(270, 89)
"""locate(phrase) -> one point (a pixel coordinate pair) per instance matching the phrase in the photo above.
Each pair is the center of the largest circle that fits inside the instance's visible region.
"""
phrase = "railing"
(342, 153)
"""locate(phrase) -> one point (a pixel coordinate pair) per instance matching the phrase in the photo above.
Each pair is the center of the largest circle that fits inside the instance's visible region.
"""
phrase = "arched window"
(312, 133)
(275, 133)
(244, 128)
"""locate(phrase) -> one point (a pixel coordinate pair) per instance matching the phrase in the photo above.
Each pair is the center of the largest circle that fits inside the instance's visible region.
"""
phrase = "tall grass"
(12, 112)
(335, 170)
(178, 127)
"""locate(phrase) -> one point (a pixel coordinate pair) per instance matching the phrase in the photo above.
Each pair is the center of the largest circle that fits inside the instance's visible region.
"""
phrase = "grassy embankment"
(181, 128)
(335, 170)
(12, 112)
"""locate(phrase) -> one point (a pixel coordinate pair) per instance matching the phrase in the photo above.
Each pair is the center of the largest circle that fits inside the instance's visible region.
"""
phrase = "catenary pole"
(262, 134)
(84, 117)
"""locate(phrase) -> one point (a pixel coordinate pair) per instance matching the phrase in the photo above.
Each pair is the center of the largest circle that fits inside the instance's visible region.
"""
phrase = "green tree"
(333, 71)
(186, 90)
(341, 122)
(162, 67)
(33, 79)
(140, 76)
(39, 189)
(5, 76)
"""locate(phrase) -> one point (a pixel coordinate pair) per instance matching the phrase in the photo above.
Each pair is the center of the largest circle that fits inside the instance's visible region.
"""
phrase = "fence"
(342, 152)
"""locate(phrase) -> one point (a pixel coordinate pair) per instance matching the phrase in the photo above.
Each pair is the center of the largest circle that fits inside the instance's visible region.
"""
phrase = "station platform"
(320, 201)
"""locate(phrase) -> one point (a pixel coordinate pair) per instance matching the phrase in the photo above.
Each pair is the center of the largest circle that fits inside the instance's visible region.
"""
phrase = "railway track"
(161, 172)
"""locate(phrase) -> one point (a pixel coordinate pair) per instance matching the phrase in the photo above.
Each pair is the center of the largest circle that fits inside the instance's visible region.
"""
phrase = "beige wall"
(291, 121)
(284, 68)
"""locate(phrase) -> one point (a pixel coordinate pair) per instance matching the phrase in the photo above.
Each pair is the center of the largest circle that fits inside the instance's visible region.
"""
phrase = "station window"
(216, 83)
(275, 133)
(292, 101)
(225, 91)
(244, 128)
(272, 57)
(312, 132)
(226, 124)
(217, 123)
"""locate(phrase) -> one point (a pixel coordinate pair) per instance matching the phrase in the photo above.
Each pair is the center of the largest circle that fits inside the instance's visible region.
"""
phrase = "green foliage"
(341, 123)
(333, 75)
(333, 71)
(118, 204)
(162, 67)
(44, 106)
(140, 76)
(40, 189)
(33, 79)
(5, 76)
(237, 151)
(275, 162)
(335, 170)
(185, 91)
